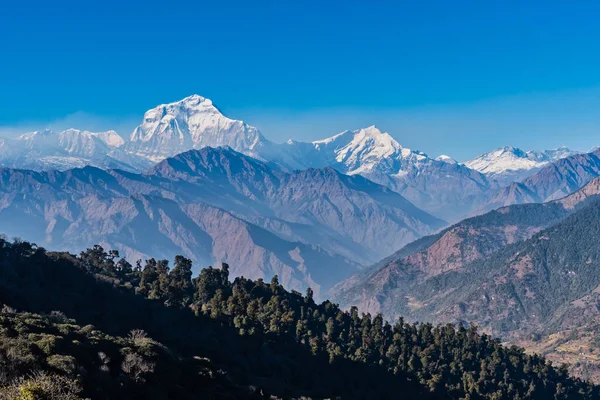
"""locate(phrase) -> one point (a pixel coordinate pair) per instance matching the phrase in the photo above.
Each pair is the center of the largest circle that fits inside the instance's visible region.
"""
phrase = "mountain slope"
(515, 271)
(73, 209)
(442, 188)
(156, 332)
(523, 285)
(97, 326)
(388, 285)
(217, 205)
(350, 211)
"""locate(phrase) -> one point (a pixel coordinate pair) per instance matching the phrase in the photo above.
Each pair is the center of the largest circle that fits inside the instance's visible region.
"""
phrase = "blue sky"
(445, 77)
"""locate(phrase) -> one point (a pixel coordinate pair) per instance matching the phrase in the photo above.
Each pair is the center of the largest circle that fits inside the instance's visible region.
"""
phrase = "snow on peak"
(70, 148)
(196, 102)
(558, 153)
(446, 159)
(111, 138)
(374, 141)
(191, 123)
(49, 137)
(368, 150)
(369, 137)
(508, 160)
(36, 135)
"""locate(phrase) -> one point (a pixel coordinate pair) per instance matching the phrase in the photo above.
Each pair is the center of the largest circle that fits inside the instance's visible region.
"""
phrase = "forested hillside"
(542, 293)
(389, 286)
(95, 326)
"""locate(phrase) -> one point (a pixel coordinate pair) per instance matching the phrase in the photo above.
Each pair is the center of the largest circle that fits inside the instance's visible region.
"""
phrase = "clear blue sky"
(443, 76)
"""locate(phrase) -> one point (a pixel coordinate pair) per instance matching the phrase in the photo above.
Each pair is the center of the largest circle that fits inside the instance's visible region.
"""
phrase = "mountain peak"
(446, 159)
(371, 138)
(507, 158)
(188, 105)
(191, 123)
(372, 130)
(510, 150)
(195, 97)
(195, 101)
(508, 164)
(34, 134)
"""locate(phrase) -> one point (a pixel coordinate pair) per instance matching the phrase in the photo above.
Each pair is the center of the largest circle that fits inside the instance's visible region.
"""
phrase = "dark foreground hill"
(94, 326)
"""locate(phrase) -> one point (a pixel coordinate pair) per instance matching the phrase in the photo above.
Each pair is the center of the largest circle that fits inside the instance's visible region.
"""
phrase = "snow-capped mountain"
(510, 164)
(364, 150)
(191, 123)
(111, 138)
(46, 149)
(438, 186)
(194, 123)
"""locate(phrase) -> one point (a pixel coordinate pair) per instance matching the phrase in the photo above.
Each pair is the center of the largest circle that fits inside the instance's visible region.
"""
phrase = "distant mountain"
(195, 122)
(446, 159)
(217, 205)
(192, 123)
(387, 286)
(553, 181)
(372, 216)
(510, 164)
(513, 271)
(439, 186)
(442, 188)
(166, 130)
(72, 148)
(79, 207)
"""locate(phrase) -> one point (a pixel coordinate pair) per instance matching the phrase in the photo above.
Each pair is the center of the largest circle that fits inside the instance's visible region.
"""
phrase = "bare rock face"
(588, 193)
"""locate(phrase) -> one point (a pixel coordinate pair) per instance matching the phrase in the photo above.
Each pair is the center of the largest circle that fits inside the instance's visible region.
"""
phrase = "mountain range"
(552, 182)
(72, 148)
(310, 227)
(358, 195)
(518, 272)
(440, 186)
(510, 164)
